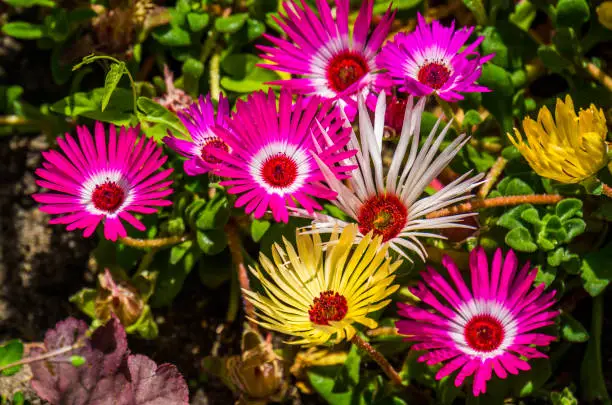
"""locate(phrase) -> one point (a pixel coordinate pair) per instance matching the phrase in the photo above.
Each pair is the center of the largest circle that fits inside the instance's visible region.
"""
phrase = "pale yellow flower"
(319, 295)
(604, 14)
(570, 148)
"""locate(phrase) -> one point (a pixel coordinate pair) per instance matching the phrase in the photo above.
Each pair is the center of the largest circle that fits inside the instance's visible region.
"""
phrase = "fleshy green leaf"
(572, 13)
(211, 242)
(197, 21)
(30, 3)
(259, 228)
(85, 301)
(231, 24)
(596, 270)
(566, 209)
(520, 239)
(572, 330)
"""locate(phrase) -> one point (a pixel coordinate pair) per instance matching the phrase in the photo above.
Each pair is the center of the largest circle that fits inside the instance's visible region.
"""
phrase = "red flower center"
(108, 196)
(434, 75)
(385, 214)
(484, 333)
(329, 306)
(279, 170)
(211, 144)
(345, 69)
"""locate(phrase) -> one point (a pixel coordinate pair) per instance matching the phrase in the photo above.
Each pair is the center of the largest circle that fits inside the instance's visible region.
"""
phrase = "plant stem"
(154, 243)
(497, 202)
(45, 356)
(597, 74)
(215, 77)
(235, 247)
(494, 173)
(448, 112)
(379, 358)
(383, 331)
(13, 120)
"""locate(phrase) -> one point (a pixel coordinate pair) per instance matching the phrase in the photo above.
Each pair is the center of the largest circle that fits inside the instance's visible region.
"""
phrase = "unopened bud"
(119, 298)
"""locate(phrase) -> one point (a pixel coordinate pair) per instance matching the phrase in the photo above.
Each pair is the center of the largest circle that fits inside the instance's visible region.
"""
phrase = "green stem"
(54, 353)
(379, 358)
(593, 383)
(92, 58)
(215, 77)
(448, 112)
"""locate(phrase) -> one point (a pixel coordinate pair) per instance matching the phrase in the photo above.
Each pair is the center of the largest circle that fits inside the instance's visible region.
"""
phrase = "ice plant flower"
(103, 180)
(200, 121)
(429, 61)
(571, 148)
(488, 328)
(319, 295)
(391, 206)
(329, 60)
(271, 164)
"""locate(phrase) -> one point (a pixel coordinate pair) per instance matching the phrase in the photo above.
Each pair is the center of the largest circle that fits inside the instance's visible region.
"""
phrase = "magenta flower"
(200, 121)
(429, 60)
(483, 330)
(93, 180)
(271, 164)
(332, 63)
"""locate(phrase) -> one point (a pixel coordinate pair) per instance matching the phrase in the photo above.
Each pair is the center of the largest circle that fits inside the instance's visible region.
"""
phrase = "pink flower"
(332, 63)
(200, 121)
(93, 180)
(429, 61)
(271, 164)
(485, 329)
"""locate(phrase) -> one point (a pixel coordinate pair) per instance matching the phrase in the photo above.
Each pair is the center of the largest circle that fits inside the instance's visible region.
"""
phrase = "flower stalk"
(154, 243)
(538, 199)
(494, 173)
(62, 350)
(379, 358)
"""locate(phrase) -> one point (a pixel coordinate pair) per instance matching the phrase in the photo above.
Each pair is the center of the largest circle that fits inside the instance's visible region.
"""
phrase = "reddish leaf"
(111, 376)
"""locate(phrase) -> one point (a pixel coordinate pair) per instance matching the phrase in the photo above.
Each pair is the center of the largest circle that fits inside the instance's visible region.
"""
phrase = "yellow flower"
(317, 295)
(604, 14)
(569, 149)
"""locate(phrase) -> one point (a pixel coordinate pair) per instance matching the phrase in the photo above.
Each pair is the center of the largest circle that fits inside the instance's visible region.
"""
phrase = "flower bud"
(121, 299)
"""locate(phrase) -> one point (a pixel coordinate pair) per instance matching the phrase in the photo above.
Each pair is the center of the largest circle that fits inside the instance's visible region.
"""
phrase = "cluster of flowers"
(284, 156)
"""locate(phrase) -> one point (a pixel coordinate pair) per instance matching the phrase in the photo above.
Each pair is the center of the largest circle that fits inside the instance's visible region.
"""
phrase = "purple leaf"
(153, 385)
(110, 376)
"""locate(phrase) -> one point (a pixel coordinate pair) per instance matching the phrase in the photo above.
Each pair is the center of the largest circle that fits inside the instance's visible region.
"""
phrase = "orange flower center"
(384, 214)
(329, 306)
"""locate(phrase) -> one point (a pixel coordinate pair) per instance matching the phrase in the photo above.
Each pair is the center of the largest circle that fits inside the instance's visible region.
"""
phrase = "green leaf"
(471, 118)
(524, 14)
(530, 381)
(512, 218)
(178, 251)
(192, 71)
(153, 112)
(337, 384)
(255, 80)
(23, 30)
(170, 277)
(145, 326)
(546, 275)
(171, 36)
(30, 3)
(11, 352)
(552, 59)
(499, 100)
(111, 81)
(531, 216)
(89, 105)
(212, 242)
(215, 270)
(494, 43)
(514, 186)
(382, 6)
(553, 231)
(566, 209)
(85, 300)
(255, 29)
(520, 239)
(232, 23)
(197, 21)
(573, 228)
(572, 330)
(596, 270)
(259, 228)
(572, 13)
(77, 361)
(238, 65)
(19, 399)
(214, 214)
(565, 397)
(477, 8)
